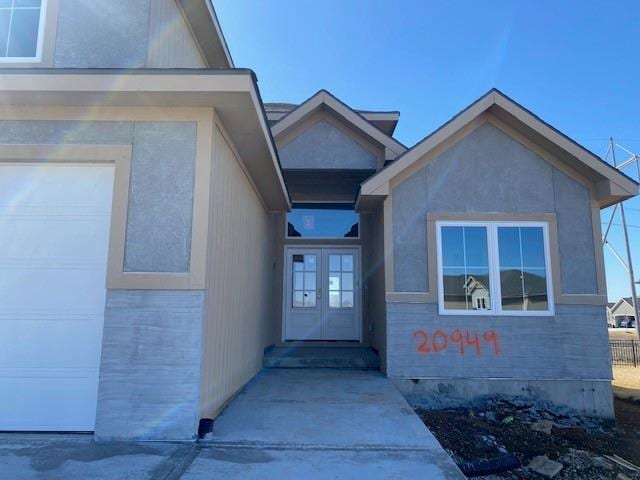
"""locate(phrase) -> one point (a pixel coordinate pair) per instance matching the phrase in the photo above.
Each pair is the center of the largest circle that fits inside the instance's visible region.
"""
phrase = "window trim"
(39, 41)
(494, 268)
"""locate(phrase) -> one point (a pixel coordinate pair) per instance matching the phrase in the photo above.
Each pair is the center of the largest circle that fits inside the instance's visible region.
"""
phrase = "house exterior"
(188, 226)
(621, 313)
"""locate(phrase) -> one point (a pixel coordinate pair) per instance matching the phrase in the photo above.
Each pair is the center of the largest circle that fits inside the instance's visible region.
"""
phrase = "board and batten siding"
(171, 44)
(240, 278)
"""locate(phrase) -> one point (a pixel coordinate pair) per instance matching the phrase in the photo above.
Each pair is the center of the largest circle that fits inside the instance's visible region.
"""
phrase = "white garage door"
(54, 232)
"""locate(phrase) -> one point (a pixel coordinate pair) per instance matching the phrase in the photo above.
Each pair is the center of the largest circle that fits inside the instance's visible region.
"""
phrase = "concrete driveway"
(311, 424)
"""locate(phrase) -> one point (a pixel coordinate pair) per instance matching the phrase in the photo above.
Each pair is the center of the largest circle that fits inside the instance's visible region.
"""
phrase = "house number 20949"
(462, 340)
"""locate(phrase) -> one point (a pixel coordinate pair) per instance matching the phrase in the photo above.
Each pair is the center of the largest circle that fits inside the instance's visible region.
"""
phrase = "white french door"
(322, 293)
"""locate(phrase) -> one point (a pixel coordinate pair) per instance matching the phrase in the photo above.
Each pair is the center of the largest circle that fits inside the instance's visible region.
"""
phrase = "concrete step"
(346, 358)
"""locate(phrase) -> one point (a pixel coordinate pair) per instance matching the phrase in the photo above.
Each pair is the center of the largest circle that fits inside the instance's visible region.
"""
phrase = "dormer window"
(21, 27)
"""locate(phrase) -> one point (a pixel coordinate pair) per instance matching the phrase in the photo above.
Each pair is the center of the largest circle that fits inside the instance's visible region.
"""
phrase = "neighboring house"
(621, 314)
(133, 155)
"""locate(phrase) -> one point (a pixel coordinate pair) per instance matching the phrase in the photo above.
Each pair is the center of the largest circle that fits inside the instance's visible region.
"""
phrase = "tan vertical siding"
(239, 281)
(171, 44)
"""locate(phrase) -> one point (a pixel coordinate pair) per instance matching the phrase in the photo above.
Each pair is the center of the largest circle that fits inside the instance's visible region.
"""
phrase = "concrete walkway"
(311, 424)
(318, 424)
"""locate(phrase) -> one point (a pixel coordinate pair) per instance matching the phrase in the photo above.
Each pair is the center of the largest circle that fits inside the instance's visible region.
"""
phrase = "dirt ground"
(626, 382)
(520, 433)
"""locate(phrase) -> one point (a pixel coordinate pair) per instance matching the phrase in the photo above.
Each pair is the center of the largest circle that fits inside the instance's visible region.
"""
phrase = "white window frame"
(39, 41)
(494, 269)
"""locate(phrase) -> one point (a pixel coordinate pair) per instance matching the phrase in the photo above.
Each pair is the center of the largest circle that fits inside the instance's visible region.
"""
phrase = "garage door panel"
(50, 186)
(18, 234)
(54, 343)
(54, 232)
(52, 290)
(48, 399)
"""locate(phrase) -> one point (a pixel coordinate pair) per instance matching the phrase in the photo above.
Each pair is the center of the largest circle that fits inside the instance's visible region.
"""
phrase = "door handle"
(319, 293)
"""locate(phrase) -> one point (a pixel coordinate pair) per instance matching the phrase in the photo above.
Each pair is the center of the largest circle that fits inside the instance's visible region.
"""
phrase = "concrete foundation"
(584, 397)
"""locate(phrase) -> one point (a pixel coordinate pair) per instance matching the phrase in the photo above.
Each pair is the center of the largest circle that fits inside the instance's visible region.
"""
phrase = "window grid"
(495, 267)
(10, 6)
(339, 296)
(304, 281)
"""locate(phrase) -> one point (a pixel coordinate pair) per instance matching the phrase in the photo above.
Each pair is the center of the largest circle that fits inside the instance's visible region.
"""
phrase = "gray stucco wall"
(151, 363)
(160, 210)
(572, 344)
(64, 131)
(324, 146)
(159, 218)
(562, 360)
(489, 172)
(102, 33)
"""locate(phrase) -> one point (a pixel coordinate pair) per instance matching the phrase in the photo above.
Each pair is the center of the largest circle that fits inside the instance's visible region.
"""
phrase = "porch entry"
(322, 293)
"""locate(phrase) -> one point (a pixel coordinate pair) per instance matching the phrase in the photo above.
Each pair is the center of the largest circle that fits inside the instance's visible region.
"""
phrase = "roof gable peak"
(325, 99)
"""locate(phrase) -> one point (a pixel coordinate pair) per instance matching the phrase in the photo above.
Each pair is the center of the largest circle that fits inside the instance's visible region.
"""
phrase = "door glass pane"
(310, 298)
(334, 282)
(347, 299)
(310, 263)
(310, 281)
(304, 280)
(347, 281)
(523, 276)
(334, 263)
(347, 263)
(465, 268)
(334, 299)
(298, 299)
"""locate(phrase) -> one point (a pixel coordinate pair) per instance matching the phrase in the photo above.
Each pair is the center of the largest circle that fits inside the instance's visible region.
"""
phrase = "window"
(322, 221)
(21, 25)
(498, 268)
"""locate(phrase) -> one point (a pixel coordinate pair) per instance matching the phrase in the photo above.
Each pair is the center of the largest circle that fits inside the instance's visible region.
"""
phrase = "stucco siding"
(171, 44)
(489, 172)
(150, 369)
(575, 235)
(159, 219)
(65, 132)
(324, 146)
(529, 347)
(563, 360)
(102, 33)
(410, 234)
(240, 278)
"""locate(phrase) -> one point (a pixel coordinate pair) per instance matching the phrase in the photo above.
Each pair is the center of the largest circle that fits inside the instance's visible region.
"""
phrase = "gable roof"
(323, 98)
(612, 185)
(616, 305)
(384, 120)
(206, 29)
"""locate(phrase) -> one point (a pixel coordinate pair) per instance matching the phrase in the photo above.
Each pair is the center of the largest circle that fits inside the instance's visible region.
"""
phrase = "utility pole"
(634, 296)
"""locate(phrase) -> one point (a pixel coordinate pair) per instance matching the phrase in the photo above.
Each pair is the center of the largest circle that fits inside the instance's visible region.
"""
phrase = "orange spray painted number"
(441, 340)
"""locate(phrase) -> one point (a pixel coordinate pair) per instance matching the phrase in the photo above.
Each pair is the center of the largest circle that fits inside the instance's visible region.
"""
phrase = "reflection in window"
(523, 277)
(19, 28)
(341, 281)
(304, 281)
(465, 268)
(322, 221)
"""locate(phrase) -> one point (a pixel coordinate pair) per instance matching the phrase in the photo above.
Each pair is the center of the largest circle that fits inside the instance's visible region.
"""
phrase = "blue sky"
(576, 64)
